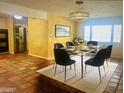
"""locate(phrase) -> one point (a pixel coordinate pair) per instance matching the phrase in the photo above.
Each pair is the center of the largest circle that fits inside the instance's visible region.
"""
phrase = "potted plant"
(78, 40)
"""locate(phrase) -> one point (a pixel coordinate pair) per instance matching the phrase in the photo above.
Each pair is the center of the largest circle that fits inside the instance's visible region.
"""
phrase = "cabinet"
(3, 40)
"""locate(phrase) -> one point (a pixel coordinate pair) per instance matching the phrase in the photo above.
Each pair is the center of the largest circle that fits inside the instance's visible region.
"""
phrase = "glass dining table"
(83, 50)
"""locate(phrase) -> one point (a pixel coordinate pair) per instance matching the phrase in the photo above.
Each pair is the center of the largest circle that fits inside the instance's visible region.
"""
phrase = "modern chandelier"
(79, 15)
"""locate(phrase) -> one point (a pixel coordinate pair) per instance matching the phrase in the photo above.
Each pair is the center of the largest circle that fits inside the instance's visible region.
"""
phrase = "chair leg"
(65, 74)
(107, 62)
(63, 68)
(70, 67)
(99, 73)
(75, 69)
(110, 61)
(55, 69)
(53, 66)
(85, 69)
(104, 67)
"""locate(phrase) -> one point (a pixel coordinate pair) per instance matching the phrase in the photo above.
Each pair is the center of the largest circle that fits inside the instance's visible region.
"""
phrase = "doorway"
(20, 35)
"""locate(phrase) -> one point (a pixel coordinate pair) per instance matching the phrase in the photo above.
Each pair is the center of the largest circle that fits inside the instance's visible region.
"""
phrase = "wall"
(37, 37)
(52, 20)
(6, 22)
(79, 26)
(10, 34)
(3, 22)
(41, 34)
(117, 47)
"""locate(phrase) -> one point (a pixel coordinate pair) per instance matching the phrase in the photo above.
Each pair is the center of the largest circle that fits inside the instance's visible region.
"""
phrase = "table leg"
(82, 66)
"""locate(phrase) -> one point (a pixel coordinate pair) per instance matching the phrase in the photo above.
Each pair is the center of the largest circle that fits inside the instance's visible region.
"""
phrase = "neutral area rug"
(90, 83)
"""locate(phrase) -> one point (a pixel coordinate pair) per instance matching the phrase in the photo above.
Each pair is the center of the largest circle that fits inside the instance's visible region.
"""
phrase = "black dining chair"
(69, 44)
(97, 61)
(95, 43)
(62, 58)
(92, 43)
(58, 45)
(108, 53)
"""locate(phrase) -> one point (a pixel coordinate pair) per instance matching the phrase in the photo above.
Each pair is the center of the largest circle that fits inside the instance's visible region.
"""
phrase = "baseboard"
(41, 57)
(11, 52)
(4, 53)
(116, 57)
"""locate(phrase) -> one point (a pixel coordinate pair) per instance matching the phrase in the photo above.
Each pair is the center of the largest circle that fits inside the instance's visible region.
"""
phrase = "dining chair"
(92, 43)
(69, 44)
(62, 58)
(108, 53)
(58, 45)
(97, 61)
(95, 43)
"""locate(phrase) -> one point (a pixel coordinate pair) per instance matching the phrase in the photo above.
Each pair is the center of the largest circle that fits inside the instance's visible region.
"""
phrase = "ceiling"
(96, 8)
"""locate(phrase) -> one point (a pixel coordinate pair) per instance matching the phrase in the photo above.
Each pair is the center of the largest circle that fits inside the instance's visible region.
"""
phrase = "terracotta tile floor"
(115, 84)
(18, 75)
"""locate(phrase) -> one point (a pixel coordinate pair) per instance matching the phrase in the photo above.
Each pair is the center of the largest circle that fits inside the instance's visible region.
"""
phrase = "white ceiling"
(96, 8)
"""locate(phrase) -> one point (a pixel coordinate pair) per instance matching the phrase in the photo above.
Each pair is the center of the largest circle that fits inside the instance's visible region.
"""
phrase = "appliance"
(79, 15)
(4, 40)
(20, 39)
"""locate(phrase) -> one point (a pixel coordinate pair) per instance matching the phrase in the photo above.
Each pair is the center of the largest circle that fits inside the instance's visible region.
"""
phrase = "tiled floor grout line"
(27, 80)
(118, 83)
(108, 91)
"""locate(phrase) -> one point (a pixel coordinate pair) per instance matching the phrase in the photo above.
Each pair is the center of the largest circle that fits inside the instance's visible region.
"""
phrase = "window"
(117, 33)
(101, 33)
(87, 33)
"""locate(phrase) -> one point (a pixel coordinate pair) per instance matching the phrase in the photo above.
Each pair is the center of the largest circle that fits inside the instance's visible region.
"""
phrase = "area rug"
(90, 83)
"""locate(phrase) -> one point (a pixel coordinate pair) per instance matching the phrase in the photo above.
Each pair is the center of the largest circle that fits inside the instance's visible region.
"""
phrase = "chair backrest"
(58, 45)
(100, 57)
(61, 56)
(95, 43)
(69, 44)
(109, 50)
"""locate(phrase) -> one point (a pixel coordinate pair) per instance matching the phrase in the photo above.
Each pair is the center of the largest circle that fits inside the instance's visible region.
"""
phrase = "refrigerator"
(20, 39)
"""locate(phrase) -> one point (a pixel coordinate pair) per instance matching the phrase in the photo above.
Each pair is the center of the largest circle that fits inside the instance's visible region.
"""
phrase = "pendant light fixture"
(79, 15)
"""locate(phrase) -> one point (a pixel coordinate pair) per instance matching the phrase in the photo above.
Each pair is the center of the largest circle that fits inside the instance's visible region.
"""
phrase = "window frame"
(111, 37)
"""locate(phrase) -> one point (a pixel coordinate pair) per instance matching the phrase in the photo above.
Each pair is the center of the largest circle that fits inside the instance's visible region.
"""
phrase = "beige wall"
(10, 34)
(79, 28)
(41, 34)
(117, 50)
(3, 22)
(6, 22)
(52, 21)
(37, 37)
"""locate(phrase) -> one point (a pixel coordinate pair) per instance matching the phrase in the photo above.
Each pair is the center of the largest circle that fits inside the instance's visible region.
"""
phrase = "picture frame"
(62, 30)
